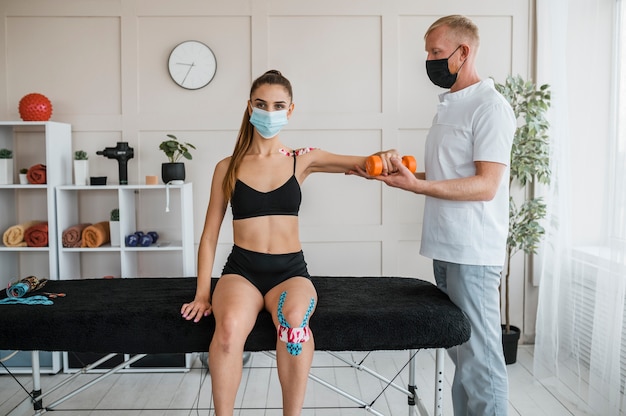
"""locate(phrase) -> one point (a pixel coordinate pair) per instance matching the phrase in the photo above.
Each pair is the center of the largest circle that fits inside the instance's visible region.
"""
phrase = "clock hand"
(190, 66)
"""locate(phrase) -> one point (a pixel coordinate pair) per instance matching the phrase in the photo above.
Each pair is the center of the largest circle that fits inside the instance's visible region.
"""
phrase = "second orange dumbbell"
(374, 164)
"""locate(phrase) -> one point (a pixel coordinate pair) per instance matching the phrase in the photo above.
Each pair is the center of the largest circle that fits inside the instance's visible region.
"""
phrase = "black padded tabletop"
(142, 315)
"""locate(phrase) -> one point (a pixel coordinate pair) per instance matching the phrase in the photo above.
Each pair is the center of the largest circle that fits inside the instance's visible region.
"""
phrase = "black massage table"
(142, 316)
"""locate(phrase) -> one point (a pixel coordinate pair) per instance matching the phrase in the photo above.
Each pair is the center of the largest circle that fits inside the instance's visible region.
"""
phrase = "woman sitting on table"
(266, 268)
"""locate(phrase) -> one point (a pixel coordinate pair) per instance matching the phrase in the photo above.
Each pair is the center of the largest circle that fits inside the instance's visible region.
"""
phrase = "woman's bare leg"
(236, 304)
(293, 370)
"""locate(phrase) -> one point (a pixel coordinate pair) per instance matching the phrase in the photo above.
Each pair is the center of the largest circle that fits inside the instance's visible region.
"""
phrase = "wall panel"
(334, 61)
(73, 60)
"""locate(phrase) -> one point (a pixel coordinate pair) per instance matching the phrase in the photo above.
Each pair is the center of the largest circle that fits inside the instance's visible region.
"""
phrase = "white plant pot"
(6, 171)
(81, 172)
(23, 179)
(114, 229)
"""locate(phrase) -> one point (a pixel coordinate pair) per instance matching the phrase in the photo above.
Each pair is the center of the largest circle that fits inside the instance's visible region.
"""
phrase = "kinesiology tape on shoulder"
(294, 337)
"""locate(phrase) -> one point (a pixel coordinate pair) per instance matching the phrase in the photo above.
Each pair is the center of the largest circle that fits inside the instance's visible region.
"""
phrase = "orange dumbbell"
(374, 164)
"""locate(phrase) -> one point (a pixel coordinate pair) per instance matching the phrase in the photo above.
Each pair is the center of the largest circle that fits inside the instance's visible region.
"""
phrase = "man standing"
(466, 208)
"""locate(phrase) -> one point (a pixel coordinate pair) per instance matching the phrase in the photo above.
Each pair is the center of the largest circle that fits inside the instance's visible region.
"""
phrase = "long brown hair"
(244, 139)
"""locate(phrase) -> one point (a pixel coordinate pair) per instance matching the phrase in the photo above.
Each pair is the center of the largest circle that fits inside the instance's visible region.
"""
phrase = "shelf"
(48, 143)
(130, 186)
(24, 187)
(25, 249)
(92, 204)
(159, 246)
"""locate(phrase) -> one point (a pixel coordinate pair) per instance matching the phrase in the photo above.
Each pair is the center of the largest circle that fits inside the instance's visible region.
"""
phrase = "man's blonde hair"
(462, 29)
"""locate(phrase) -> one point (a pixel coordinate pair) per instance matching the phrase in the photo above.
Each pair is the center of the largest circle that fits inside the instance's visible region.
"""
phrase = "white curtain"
(580, 345)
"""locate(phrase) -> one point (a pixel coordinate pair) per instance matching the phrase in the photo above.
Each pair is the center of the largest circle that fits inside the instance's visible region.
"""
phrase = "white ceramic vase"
(81, 172)
(114, 230)
(6, 171)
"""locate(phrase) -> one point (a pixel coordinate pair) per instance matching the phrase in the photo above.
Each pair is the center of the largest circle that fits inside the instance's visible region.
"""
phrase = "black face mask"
(439, 73)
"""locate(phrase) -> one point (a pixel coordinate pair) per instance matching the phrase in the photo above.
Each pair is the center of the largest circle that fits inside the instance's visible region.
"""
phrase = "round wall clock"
(192, 64)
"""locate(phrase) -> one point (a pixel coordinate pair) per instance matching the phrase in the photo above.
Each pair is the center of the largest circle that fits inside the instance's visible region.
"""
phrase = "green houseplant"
(80, 155)
(6, 167)
(174, 151)
(530, 164)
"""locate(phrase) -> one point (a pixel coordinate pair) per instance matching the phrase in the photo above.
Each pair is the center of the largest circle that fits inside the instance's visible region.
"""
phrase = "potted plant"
(6, 167)
(114, 227)
(174, 150)
(24, 176)
(81, 168)
(530, 163)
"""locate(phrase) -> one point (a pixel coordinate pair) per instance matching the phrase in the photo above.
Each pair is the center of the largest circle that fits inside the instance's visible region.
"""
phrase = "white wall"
(357, 68)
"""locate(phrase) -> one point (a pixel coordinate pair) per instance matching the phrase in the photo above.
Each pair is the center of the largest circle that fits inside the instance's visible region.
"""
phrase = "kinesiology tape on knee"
(294, 337)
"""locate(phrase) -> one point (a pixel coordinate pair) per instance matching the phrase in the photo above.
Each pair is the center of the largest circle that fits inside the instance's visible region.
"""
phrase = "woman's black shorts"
(265, 271)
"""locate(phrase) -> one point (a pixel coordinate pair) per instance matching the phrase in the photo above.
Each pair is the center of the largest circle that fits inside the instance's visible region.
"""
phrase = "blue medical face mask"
(268, 123)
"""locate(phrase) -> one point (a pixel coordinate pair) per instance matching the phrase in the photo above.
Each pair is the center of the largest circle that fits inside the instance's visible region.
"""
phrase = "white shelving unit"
(49, 143)
(166, 209)
(141, 208)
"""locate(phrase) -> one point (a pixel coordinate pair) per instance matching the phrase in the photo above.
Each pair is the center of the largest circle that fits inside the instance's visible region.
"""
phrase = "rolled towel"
(37, 235)
(14, 235)
(37, 174)
(96, 235)
(22, 287)
(73, 236)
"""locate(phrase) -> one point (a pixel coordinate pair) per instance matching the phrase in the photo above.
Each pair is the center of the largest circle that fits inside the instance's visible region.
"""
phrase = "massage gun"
(122, 153)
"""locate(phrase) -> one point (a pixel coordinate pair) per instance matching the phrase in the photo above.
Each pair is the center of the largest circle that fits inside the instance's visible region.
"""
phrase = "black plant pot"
(509, 344)
(172, 172)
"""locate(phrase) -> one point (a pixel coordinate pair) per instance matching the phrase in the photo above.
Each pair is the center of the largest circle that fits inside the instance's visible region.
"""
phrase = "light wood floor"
(189, 393)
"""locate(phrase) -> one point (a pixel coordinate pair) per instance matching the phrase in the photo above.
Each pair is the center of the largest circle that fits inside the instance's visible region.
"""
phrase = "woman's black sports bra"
(247, 202)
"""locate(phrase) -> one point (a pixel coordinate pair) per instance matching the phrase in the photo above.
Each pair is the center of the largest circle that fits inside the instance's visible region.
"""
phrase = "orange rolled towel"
(14, 235)
(73, 236)
(37, 174)
(37, 235)
(96, 235)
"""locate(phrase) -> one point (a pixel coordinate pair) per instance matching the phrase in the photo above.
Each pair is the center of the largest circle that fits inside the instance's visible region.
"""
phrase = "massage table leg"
(36, 393)
(35, 398)
(440, 356)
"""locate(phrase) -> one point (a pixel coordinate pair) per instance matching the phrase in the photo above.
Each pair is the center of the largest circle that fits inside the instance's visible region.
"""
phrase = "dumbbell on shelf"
(139, 238)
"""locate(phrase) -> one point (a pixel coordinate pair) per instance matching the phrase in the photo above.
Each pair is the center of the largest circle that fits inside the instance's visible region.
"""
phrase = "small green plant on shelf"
(6, 154)
(175, 150)
(115, 214)
(80, 155)
(23, 171)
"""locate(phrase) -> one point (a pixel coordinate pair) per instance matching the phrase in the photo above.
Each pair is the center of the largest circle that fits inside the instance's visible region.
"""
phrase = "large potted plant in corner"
(174, 150)
(530, 164)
